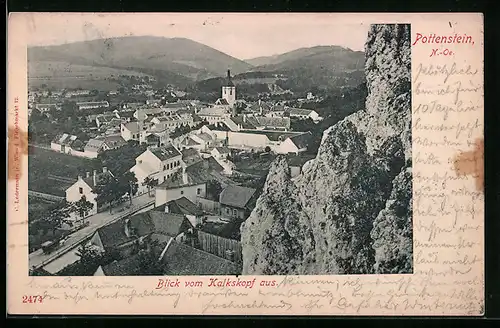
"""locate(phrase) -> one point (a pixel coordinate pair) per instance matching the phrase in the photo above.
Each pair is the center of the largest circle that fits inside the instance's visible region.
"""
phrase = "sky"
(241, 35)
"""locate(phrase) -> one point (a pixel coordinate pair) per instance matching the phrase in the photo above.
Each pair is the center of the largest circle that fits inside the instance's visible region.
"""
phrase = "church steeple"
(229, 82)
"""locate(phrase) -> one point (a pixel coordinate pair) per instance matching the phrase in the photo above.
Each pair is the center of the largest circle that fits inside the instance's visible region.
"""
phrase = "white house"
(62, 143)
(220, 152)
(98, 145)
(182, 184)
(85, 187)
(92, 105)
(157, 163)
(304, 114)
(130, 131)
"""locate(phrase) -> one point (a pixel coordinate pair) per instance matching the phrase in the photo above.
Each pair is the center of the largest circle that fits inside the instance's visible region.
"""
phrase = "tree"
(127, 184)
(108, 191)
(214, 188)
(57, 217)
(150, 183)
(82, 207)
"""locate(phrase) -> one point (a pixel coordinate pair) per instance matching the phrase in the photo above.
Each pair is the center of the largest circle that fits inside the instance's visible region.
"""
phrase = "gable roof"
(132, 126)
(223, 150)
(113, 235)
(114, 141)
(197, 173)
(101, 177)
(236, 196)
(64, 139)
(300, 111)
(221, 101)
(181, 259)
(301, 140)
(181, 206)
(274, 135)
(166, 152)
(94, 145)
(169, 224)
(128, 266)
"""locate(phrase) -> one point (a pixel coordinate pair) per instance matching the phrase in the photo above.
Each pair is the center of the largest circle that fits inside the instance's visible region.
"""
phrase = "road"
(38, 258)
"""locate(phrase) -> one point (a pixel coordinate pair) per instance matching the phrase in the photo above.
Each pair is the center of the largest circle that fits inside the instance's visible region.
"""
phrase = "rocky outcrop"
(349, 212)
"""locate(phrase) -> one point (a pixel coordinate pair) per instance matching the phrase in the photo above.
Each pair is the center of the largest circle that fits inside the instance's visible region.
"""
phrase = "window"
(198, 191)
(164, 179)
(235, 212)
(164, 167)
(227, 210)
(182, 192)
(80, 190)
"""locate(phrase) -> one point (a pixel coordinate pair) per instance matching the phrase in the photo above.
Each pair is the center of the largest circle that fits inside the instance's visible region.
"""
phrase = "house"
(304, 114)
(217, 113)
(295, 144)
(77, 93)
(183, 206)
(180, 259)
(158, 163)
(86, 187)
(104, 119)
(45, 108)
(260, 140)
(204, 140)
(220, 152)
(191, 182)
(246, 122)
(130, 131)
(172, 121)
(296, 163)
(129, 266)
(63, 142)
(92, 105)
(122, 235)
(237, 202)
(98, 145)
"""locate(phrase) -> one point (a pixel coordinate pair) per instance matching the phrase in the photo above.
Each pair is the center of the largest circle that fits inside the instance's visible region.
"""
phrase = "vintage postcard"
(244, 163)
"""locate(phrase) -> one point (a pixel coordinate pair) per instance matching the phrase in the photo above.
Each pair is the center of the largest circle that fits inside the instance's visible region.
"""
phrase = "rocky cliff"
(349, 212)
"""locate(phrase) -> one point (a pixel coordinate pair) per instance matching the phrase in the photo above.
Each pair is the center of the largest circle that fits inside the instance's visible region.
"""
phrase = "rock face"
(349, 212)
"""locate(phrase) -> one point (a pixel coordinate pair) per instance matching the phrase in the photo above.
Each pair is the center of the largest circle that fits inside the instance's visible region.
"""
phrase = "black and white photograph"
(237, 146)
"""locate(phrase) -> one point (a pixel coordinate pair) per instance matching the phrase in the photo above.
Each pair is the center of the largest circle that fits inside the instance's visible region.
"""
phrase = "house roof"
(221, 101)
(273, 122)
(100, 178)
(300, 111)
(236, 196)
(169, 224)
(197, 173)
(64, 139)
(204, 136)
(93, 103)
(228, 230)
(275, 135)
(114, 141)
(128, 266)
(113, 235)
(189, 142)
(181, 206)
(212, 111)
(223, 150)
(132, 126)
(166, 152)
(94, 145)
(181, 259)
(301, 140)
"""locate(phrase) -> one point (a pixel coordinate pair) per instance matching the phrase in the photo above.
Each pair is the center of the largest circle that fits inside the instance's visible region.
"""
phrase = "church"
(224, 107)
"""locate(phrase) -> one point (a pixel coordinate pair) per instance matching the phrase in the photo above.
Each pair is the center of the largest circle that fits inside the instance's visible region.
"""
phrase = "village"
(167, 184)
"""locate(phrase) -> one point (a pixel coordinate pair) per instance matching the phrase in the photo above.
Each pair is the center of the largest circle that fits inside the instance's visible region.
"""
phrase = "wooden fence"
(218, 246)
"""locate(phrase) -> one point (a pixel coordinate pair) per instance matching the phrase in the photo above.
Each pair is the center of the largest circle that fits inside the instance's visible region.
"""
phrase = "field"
(51, 172)
(37, 205)
(61, 75)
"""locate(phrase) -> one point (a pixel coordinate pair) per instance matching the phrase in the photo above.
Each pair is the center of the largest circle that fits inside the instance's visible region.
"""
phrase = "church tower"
(229, 90)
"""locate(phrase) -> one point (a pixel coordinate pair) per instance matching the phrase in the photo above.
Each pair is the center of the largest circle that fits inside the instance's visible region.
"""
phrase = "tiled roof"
(300, 111)
(129, 266)
(169, 224)
(101, 177)
(223, 150)
(64, 139)
(165, 153)
(197, 173)
(113, 235)
(302, 140)
(181, 259)
(236, 196)
(94, 145)
(132, 126)
(114, 141)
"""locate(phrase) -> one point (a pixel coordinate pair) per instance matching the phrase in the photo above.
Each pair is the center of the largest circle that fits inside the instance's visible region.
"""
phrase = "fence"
(45, 196)
(208, 205)
(218, 245)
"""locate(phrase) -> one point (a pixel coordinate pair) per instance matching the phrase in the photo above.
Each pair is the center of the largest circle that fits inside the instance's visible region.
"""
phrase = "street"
(38, 258)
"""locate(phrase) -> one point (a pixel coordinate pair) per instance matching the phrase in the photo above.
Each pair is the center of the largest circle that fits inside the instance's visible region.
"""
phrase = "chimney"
(88, 175)
(244, 118)
(79, 177)
(95, 177)
(104, 169)
(228, 74)
(185, 179)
